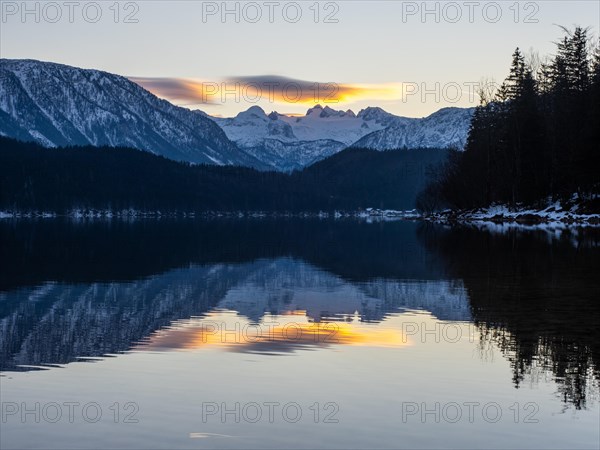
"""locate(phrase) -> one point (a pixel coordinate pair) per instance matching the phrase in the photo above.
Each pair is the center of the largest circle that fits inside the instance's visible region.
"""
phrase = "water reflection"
(72, 291)
(56, 323)
(535, 295)
(271, 336)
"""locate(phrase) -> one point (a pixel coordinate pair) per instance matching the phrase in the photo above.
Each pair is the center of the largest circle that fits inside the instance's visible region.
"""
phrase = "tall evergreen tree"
(539, 137)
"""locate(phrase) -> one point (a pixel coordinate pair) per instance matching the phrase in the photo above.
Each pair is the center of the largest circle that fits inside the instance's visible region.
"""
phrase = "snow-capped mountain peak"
(292, 142)
(317, 109)
(252, 113)
(374, 113)
(319, 112)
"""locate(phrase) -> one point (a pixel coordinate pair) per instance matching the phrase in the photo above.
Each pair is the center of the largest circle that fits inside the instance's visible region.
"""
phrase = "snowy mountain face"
(290, 142)
(446, 128)
(250, 128)
(290, 156)
(58, 105)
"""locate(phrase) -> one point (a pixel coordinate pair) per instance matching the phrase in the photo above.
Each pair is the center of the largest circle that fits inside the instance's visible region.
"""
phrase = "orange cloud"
(269, 88)
(176, 90)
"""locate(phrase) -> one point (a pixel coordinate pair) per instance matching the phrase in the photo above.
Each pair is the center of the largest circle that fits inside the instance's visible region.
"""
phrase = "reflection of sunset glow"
(296, 312)
(282, 333)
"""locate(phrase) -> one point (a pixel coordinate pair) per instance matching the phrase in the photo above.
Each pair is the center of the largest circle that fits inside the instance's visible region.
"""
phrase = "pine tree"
(539, 137)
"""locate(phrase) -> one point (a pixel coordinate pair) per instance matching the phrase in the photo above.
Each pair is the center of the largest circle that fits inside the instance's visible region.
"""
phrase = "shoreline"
(76, 214)
(498, 215)
(501, 214)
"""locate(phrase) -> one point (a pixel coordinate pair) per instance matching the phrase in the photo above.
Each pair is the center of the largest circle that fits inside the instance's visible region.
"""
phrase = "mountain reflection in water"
(70, 291)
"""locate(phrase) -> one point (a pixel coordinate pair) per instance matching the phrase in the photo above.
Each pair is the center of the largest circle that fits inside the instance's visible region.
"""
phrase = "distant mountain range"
(58, 105)
(292, 142)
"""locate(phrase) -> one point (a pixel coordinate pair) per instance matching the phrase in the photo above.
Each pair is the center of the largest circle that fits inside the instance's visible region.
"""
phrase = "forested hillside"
(35, 178)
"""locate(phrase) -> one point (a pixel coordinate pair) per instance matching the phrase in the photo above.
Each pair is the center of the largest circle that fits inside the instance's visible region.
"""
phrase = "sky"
(410, 58)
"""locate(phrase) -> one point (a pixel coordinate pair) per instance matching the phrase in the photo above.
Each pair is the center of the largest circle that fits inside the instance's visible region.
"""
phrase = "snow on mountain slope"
(448, 127)
(58, 105)
(250, 128)
(291, 142)
(326, 123)
(289, 156)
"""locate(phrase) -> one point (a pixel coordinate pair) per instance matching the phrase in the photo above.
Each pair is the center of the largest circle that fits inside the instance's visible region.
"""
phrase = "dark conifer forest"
(536, 137)
(60, 180)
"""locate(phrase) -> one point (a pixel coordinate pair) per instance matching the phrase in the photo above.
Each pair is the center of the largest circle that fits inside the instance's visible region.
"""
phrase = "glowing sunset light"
(276, 334)
(267, 89)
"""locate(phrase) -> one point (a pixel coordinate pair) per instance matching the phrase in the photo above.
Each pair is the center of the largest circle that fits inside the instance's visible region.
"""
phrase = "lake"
(273, 333)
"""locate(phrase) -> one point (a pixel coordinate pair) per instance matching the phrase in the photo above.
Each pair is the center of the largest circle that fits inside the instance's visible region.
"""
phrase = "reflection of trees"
(534, 297)
(65, 251)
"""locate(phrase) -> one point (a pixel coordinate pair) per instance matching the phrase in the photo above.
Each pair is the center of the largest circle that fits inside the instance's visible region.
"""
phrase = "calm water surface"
(298, 334)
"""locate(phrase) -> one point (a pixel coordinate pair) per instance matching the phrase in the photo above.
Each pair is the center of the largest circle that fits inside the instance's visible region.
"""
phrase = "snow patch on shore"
(555, 213)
